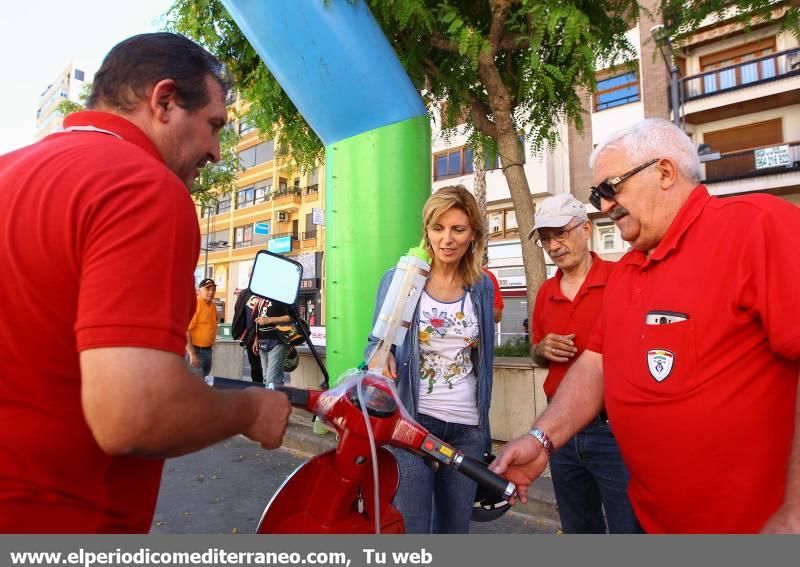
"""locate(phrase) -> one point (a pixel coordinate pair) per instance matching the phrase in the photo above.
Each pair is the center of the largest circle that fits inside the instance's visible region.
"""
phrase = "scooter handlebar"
(297, 396)
(493, 483)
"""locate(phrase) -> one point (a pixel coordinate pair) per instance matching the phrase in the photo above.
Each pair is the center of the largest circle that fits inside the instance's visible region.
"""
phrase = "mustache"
(617, 212)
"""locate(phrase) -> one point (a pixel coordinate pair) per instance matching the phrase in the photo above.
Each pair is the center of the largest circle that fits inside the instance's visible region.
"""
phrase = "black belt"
(202, 347)
(602, 417)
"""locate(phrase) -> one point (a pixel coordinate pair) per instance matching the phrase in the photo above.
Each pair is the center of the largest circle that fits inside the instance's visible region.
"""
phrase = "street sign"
(776, 156)
(280, 245)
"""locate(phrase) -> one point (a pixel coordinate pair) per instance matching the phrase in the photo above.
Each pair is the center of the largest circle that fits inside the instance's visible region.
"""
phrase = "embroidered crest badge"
(660, 363)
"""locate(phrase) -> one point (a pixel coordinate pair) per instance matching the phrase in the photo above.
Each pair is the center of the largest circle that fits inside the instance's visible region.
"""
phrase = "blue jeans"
(204, 356)
(438, 502)
(589, 477)
(273, 355)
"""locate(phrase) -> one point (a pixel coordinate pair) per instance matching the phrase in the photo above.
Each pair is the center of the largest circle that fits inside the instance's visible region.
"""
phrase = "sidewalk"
(301, 438)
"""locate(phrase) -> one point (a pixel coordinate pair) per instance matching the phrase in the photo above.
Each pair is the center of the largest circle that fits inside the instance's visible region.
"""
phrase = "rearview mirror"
(276, 277)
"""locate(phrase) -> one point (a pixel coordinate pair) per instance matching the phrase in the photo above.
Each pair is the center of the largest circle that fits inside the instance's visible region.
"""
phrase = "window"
(730, 75)
(608, 238)
(495, 222)
(243, 236)
(245, 126)
(245, 197)
(224, 205)
(216, 241)
(616, 90)
(453, 162)
(257, 154)
(511, 220)
(263, 191)
(79, 75)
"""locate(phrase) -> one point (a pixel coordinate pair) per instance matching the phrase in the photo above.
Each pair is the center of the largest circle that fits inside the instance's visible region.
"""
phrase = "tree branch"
(497, 27)
(480, 116)
(443, 44)
(514, 42)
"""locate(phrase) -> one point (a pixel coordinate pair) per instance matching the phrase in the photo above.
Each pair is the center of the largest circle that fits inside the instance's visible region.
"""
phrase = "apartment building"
(68, 85)
(275, 207)
(739, 96)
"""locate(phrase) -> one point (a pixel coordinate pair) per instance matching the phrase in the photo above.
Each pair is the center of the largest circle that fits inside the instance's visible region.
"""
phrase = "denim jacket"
(407, 354)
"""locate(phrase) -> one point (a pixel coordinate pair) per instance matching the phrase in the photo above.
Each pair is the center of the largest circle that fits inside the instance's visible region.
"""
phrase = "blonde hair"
(458, 197)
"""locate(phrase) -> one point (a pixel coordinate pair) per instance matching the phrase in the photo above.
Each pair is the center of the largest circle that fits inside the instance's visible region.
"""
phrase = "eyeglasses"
(559, 237)
(608, 189)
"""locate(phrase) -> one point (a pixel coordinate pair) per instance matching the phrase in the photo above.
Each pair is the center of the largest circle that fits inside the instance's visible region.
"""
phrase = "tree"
(682, 17)
(510, 66)
(214, 180)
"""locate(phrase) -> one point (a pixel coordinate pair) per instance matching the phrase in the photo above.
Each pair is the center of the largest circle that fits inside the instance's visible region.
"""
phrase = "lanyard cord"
(92, 129)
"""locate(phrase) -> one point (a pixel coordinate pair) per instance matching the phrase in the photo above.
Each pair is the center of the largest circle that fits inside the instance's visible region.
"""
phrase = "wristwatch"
(542, 438)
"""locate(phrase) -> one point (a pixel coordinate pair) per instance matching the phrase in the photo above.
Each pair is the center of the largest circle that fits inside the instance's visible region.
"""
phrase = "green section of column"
(376, 184)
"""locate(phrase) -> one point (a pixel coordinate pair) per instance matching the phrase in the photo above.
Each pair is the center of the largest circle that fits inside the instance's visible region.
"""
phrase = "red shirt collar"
(120, 126)
(688, 213)
(597, 277)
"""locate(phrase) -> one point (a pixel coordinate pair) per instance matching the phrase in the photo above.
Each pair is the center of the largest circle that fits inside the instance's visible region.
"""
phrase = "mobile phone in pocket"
(665, 317)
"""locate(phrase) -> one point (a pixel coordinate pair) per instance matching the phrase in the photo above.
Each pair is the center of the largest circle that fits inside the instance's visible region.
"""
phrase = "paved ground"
(225, 488)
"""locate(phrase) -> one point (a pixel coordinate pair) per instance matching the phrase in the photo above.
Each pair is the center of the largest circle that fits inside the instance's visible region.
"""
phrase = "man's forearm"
(578, 400)
(189, 345)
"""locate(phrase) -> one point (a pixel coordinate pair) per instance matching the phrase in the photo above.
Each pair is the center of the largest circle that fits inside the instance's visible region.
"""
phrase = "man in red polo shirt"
(94, 391)
(697, 349)
(588, 473)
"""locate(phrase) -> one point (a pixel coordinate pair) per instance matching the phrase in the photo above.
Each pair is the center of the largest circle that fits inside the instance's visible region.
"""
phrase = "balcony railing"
(311, 189)
(310, 235)
(754, 163)
(745, 74)
(284, 191)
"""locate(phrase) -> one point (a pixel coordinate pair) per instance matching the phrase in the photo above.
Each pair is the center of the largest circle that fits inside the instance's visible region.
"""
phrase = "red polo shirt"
(704, 409)
(555, 313)
(498, 295)
(100, 241)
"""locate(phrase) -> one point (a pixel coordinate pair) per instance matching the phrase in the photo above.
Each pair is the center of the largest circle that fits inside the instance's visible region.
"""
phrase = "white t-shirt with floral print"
(447, 334)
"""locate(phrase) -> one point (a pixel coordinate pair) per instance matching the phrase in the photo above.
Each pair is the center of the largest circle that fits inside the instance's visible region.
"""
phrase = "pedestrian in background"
(202, 331)
(270, 346)
(243, 328)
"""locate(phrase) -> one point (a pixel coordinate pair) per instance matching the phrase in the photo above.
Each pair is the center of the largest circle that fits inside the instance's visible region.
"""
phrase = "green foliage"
(514, 347)
(681, 17)
(67, 107)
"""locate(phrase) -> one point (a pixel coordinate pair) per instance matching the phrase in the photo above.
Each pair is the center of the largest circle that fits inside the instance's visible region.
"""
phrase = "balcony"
(309, 239)
(311, 193)
(760, 84)
(287, 198)
(767, 168)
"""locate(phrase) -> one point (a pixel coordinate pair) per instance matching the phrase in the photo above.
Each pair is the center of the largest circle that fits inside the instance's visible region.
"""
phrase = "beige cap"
(558, 211)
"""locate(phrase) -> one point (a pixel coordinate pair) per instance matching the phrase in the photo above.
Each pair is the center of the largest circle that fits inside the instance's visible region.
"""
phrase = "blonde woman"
(444, 369)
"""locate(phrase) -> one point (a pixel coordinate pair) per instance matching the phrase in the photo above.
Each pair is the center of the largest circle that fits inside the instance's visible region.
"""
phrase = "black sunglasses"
(608, 189)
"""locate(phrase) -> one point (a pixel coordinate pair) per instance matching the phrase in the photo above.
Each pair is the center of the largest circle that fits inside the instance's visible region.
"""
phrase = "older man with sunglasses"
(696, 351)
(588, 473)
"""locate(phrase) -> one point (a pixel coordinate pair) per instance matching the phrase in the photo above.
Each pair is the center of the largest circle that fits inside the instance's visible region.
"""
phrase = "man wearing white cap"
(588, 472)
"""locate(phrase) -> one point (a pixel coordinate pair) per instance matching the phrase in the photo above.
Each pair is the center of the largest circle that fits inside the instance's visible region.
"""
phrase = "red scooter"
(335, 492)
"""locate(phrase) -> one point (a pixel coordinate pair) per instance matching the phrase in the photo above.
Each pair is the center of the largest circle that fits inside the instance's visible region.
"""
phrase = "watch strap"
(542, 438)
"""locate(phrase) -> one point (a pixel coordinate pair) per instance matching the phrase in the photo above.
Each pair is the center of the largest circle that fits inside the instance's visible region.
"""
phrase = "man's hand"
(784, 521)
(263, 320)
(273, 416)
(521, 461)
(194, 361)
(556, 348)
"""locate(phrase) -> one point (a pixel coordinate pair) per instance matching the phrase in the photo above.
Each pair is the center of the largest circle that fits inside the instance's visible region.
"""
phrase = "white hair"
(654, 138)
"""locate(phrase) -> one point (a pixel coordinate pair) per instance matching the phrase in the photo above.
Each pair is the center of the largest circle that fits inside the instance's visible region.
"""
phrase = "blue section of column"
(333, 61)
